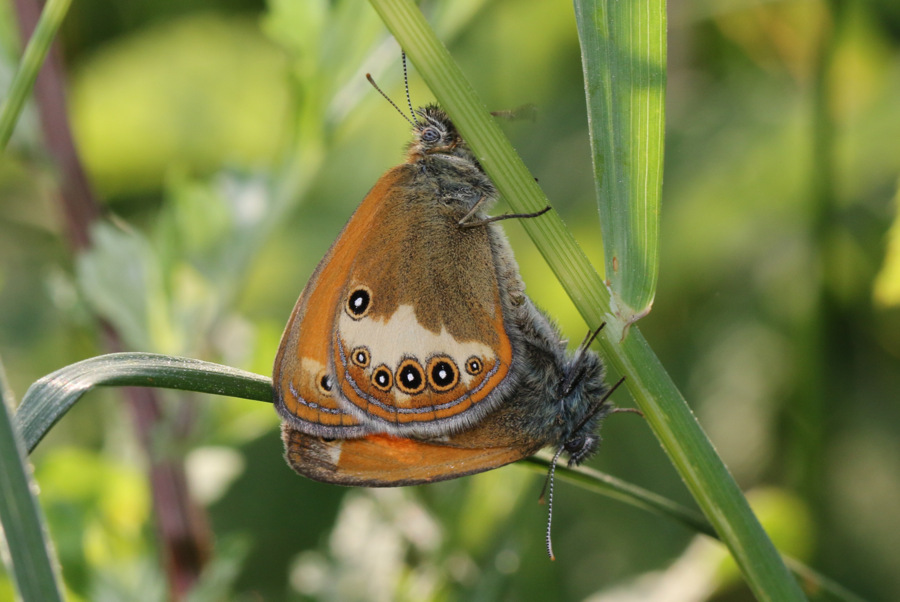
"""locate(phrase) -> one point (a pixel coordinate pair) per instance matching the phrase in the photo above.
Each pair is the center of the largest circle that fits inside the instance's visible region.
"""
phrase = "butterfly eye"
(358, 302)
(382, 378)
(410, 378)
(474, 366)
(360, 357)
(442, 374)
(430, 135)
(580, 448)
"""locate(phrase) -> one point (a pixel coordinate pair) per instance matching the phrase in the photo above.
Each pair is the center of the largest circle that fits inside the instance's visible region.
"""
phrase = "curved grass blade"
(623, 52)
(48, 399)
(31, 558)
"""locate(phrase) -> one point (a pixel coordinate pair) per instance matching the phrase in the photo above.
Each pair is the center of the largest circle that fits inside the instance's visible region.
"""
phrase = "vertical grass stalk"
(672, 422)
(35, 52)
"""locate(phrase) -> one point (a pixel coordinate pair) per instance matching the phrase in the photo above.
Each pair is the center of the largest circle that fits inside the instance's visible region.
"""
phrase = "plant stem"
(666, 411)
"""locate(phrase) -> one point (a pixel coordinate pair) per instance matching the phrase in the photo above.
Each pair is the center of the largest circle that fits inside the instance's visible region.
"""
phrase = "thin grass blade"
(623, 52)
(35, 52)
(48, 399)
(29, 554)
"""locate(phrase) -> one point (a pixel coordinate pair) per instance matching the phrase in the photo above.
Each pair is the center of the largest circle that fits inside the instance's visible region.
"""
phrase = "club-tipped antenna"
(406, 85)
(548, 488)
(548, 481)
(388, 98)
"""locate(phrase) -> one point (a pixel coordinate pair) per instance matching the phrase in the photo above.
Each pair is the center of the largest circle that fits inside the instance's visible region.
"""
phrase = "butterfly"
(413, 354)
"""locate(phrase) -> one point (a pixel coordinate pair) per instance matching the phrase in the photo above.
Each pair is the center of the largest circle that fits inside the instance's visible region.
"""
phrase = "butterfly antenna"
(575, 373)
(388, 98)
(406, 85)
(599, 405)
(548, 487)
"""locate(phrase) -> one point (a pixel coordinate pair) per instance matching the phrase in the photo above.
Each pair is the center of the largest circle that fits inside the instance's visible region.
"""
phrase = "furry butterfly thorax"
(413, 353)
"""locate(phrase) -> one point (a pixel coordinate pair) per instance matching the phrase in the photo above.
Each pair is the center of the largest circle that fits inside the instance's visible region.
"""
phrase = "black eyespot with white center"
(382, 378)
(474, 366)
(442, 373)
(410, 377)
(359, 302)
(360, 356)
(325, 383)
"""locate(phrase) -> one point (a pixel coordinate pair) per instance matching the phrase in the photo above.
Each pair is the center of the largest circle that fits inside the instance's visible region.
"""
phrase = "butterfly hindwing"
(383, 460)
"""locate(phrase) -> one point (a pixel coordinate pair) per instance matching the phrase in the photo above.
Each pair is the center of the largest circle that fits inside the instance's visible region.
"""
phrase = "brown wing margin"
(388, 461)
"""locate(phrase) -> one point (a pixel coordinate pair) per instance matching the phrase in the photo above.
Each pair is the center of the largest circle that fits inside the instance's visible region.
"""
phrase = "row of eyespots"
(441, 373)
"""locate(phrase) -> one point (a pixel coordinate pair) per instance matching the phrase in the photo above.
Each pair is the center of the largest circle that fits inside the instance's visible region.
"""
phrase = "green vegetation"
(227, 144)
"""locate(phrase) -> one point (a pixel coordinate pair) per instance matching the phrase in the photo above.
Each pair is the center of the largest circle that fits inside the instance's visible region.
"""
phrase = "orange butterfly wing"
(306, 391)
(405, 349)
(420, 345)
(382, 460)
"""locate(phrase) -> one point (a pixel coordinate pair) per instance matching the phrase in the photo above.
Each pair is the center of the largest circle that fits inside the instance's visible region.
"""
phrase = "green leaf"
(47, 400)
(30, 556)
(623, 52)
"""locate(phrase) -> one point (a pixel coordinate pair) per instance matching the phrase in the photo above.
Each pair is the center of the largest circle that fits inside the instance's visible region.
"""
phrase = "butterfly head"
(435, 134)
(583, 407)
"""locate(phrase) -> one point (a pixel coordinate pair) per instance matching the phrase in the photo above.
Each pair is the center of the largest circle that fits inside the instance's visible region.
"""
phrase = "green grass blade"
(636, 496)
(493, 150)
(672, 422)
(31, 558)
(623, 51)
(47, 400)
(35, 52)
(633, 495)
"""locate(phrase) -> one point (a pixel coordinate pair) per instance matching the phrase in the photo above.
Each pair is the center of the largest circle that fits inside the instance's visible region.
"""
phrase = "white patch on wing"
(334, 451)
(311, 366)
(401, 336)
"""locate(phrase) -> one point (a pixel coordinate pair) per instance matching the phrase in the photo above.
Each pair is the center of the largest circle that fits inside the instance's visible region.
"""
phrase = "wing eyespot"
(442, 373)
(410, 377)
(361, 357)
(359, 302)
(474, 366)
(382, 379)
(325, 383)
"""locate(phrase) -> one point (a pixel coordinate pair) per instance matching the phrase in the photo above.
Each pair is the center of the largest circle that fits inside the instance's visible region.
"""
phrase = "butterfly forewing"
(419, 343)
(306, 390)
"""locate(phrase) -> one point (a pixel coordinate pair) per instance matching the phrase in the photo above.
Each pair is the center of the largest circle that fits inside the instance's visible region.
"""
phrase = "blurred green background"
(230, 140)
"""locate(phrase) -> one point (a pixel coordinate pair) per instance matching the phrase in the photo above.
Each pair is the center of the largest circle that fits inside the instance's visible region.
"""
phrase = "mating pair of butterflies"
(413, 354)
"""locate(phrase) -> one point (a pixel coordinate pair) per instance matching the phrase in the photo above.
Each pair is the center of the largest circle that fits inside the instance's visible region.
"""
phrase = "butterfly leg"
(465, 223)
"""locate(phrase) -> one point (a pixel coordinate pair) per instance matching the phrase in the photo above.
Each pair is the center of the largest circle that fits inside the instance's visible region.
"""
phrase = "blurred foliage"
(231, 145)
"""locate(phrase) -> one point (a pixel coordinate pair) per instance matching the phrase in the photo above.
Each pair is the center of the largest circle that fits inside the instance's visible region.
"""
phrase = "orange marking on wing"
(388, 461)
(309, 329)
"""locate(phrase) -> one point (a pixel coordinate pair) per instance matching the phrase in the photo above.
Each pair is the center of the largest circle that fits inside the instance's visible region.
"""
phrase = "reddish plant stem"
(181, 525)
